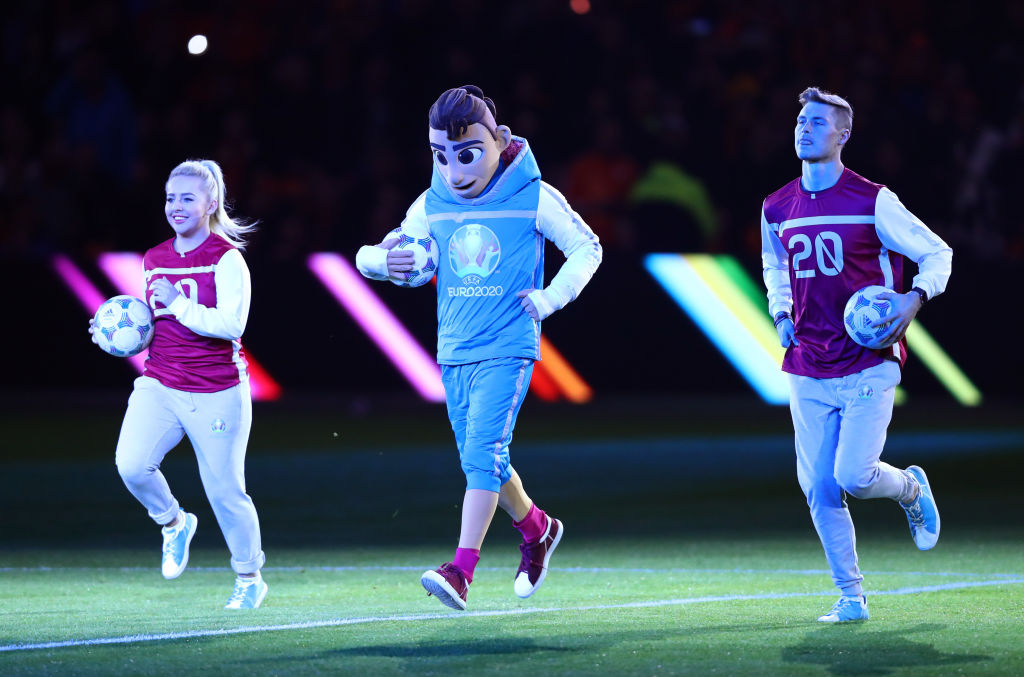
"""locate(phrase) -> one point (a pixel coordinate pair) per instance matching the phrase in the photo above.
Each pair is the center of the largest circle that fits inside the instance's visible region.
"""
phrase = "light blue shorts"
(483, 402)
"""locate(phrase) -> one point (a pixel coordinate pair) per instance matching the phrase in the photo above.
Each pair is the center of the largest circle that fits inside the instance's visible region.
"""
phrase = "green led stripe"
(754, 320)
(732, 268)
(955, 381)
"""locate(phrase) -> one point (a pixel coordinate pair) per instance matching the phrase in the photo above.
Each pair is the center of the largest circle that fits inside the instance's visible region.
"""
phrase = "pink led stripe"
(84, 290)
(89, 296)
(342, 280)
(127, 271)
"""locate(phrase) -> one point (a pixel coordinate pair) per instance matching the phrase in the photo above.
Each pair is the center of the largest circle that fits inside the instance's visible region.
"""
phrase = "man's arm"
(775, 264)
(902, 232)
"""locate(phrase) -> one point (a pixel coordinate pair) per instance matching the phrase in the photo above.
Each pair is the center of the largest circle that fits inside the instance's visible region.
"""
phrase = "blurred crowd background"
(665, 124)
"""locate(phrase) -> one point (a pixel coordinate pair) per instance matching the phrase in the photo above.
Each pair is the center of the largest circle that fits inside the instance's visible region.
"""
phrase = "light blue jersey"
(490, 249)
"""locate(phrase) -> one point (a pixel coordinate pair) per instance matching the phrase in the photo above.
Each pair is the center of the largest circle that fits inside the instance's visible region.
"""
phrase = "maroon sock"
(466, 559)
(533, 526)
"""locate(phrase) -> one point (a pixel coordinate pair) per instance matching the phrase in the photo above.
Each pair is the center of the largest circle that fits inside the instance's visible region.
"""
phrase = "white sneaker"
(176, 542)
(248, 593)
(847, 609)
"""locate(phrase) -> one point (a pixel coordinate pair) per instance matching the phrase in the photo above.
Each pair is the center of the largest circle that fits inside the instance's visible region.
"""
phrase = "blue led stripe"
(720, 324)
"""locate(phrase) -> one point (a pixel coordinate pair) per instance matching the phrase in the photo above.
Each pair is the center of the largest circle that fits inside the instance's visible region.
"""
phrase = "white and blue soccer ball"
(425, 256)
(861, 311)
(123, 326)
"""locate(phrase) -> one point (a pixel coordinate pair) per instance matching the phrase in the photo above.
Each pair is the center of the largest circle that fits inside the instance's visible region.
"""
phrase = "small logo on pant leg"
(218, 425)
(866, 393)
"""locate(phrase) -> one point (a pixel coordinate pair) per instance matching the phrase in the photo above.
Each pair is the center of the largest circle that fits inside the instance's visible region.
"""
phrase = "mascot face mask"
(468, 163)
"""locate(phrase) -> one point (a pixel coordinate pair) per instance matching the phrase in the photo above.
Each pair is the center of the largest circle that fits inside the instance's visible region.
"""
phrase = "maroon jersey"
(207, 357)
(833, 240)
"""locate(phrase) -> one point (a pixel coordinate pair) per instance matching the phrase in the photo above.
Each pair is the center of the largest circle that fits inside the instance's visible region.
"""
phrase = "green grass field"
(688, 551)
(667, 607)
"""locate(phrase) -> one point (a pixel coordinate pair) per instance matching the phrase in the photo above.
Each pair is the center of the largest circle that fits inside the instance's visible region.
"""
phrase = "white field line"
(192, 634)
(571, 570)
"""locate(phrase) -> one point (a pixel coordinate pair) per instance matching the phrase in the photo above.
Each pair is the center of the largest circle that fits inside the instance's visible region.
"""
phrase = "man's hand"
(787, 332)
(527, 303)
(904, 310)
(399, 261)
(164, 292)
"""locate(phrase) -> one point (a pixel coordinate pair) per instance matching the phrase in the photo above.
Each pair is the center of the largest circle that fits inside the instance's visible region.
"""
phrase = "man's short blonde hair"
(842, 107)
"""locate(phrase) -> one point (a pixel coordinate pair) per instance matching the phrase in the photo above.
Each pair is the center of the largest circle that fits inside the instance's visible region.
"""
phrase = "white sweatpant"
(218, 426)
(840, 425)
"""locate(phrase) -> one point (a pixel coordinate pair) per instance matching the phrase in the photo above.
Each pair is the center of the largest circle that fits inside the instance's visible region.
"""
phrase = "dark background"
(317, 113)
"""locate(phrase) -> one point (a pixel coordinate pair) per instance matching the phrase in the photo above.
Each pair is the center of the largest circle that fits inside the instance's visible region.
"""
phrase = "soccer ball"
(861, 310)
(425, 256)
(123, 326)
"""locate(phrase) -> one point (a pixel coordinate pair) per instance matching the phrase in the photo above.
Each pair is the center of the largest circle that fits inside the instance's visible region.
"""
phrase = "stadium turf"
(670, 606)
(688, 551)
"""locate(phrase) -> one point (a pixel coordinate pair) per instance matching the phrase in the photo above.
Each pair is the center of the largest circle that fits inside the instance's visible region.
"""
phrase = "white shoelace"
(908, 488)
(241, 587)
(238, 594)
(169, 542)
(915, 513)
(843, 602)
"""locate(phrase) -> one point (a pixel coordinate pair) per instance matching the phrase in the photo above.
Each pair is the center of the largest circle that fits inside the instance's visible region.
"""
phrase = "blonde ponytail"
(209, 172)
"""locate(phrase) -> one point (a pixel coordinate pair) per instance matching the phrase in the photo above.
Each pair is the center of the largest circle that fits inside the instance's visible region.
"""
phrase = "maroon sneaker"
(534, 565)
(448, 584)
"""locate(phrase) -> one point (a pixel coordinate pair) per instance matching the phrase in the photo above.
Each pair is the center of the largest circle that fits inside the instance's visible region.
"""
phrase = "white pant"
(840, 425)
(218, 425)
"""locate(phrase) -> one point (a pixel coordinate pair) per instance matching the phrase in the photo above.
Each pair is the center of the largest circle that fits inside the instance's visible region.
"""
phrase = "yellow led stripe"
(936, 359)
(754, 320)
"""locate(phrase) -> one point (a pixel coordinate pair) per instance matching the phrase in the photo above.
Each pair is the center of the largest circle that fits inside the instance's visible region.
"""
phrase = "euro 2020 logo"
(474, 252)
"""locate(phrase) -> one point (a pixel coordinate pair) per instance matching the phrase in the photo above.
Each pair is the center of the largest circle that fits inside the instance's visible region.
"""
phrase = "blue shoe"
(176, 542)
(248, 593)
(847, 609)
(922, 513)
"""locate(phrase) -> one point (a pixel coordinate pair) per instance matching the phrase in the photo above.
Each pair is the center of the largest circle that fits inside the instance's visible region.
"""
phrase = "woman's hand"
(164, 292)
